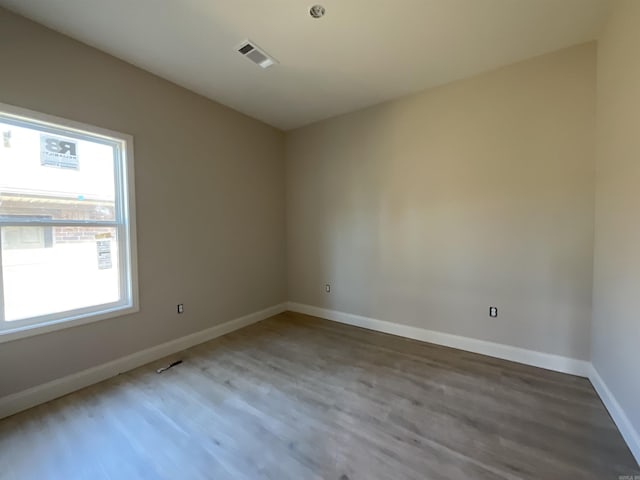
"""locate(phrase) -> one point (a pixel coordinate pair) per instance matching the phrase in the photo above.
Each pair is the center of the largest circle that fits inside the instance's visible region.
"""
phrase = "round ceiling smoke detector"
(317, 11)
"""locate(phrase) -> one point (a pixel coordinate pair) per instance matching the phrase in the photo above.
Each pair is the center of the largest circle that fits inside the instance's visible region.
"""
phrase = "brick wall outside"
(59, 209)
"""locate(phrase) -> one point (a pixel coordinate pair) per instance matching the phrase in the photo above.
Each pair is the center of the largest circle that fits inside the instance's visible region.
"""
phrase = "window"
(67, 225)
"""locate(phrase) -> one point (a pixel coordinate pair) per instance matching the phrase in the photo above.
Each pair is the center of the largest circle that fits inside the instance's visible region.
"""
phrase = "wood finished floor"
(296, 397)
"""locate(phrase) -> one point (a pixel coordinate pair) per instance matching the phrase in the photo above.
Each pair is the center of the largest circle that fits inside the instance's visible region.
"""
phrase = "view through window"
(64, 222)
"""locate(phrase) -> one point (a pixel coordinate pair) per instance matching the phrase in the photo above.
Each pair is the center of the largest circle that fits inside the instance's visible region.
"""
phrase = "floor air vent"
(254, 53)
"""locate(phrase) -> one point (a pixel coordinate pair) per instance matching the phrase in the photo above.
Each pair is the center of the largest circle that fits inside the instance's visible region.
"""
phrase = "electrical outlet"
(493, 312)
(181, 308)
(327, 288)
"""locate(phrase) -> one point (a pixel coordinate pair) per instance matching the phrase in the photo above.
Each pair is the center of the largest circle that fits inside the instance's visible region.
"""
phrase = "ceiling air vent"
(254, 53)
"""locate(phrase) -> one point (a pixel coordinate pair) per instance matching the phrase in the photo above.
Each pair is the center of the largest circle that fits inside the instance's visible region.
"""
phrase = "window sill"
(24, 331)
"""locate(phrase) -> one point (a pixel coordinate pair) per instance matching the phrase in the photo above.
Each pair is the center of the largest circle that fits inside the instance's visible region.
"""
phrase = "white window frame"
(124, 222)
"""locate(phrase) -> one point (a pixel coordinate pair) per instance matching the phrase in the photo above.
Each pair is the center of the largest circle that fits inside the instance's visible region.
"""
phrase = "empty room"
(345, 240)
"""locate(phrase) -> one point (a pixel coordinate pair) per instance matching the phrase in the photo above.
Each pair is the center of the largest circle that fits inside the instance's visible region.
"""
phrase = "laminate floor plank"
(297, 397)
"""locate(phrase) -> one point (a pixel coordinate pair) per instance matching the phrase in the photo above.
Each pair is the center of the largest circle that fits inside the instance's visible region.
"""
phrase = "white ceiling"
(361, 53)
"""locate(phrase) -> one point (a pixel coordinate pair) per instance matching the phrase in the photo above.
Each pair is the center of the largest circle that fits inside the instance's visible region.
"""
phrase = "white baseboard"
(31, 397)
(558, 363)
(621, 420)
(549, 361)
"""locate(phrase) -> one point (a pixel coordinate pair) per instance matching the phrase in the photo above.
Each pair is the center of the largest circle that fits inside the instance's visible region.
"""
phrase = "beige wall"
(428, 209)
(209, 197)
(616, 294)
(422, 211)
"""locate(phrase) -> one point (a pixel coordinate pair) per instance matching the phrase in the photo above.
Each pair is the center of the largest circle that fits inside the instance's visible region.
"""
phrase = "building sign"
(58, 152)
(103, 243)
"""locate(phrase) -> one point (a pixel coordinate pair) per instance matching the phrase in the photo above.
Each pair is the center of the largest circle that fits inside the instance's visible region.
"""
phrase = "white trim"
(124, 223)
(130, 223)
(630, 434)
(1, 285)
(55, 121)
(29, 330)
(549, 361)
(31, 397)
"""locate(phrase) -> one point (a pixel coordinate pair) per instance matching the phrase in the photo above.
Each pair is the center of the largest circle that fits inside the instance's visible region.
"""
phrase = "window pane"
(55, 269)
(51, 176)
